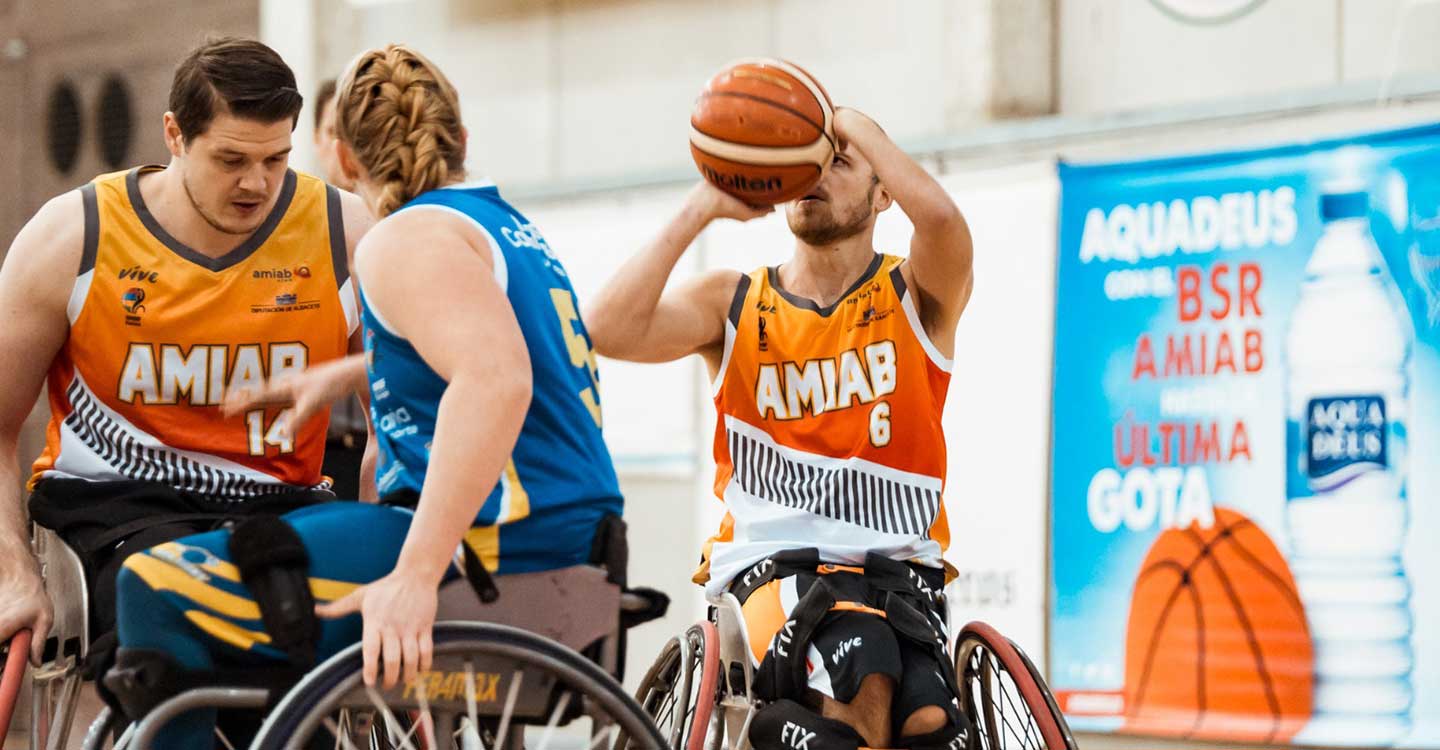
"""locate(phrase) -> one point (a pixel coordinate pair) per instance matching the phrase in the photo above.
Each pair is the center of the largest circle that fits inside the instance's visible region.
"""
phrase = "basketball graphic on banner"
(1217, 637)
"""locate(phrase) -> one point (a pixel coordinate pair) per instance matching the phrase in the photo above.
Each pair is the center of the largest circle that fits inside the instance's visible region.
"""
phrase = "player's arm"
(634, 318)
(421, 268)
(941, 252)
(358, 221)
(35, 283)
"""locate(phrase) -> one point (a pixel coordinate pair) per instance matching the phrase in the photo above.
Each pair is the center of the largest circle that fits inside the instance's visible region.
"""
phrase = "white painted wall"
(575, 90)
(1129, 55)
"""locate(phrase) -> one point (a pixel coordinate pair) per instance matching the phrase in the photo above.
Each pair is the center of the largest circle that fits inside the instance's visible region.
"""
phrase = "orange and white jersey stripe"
(828, 427)
(159, 333)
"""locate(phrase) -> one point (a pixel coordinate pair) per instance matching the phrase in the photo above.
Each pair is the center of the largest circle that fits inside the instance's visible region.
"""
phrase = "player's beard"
(215, 221)
(822, 228)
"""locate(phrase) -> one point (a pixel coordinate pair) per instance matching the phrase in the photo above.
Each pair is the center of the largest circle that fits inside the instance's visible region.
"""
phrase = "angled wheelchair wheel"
(680, 690)
(12, 672)
(1007, 701)
(490, 686)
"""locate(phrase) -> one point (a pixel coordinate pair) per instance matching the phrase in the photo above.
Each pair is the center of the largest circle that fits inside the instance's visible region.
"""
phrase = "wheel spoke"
(1027, 717)
(125, 737)
(470, 710)
(992, 696)
(223, 739)
(509, 712)
(341, 732)
(987, 703)
(1029, 739)
(426, 725)
(390, 721)
(554, 721)
(605, 736)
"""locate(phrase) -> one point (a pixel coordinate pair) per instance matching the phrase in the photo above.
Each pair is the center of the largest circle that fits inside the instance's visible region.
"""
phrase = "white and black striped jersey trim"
(846, 490)
(113, 443)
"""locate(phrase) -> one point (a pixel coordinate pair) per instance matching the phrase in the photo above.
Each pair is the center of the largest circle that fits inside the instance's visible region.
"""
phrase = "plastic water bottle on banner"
(1424, 250)
(1348, 358)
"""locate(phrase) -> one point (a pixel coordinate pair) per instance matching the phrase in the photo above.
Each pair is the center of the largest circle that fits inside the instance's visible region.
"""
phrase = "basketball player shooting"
(830, 373)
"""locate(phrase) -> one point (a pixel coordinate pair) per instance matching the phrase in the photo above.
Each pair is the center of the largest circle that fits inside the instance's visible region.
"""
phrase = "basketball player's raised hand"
(715, 203)
(306, 392)
(847, 120)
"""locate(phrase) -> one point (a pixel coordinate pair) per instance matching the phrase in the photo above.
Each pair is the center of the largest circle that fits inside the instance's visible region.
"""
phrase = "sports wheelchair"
(698, 690)
(515, 680)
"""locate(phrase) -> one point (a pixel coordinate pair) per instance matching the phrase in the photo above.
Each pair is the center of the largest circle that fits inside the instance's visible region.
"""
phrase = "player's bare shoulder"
(714, 294)
(40, 268)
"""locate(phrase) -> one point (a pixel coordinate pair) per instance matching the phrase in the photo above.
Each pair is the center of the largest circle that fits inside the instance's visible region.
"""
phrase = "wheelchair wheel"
(1004, 696)
(12, 673)
(680, 690)
(487, 682)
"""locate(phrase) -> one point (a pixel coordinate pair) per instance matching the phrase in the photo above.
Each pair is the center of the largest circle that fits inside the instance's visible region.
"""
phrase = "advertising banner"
(1246, 426)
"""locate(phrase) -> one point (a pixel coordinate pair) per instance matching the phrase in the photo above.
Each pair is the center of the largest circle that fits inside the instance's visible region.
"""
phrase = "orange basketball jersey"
(828, 427)
(159, 333)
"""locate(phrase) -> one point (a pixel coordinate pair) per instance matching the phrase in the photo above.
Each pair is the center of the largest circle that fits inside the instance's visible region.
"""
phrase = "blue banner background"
(1093, 571)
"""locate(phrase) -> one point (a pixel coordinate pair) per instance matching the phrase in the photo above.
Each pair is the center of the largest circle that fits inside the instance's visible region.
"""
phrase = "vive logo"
(796, 736)
(136, 273)
(844, 649)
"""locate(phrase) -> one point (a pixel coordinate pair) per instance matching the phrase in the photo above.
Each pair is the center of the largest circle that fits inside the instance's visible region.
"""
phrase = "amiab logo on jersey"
(281, 274)
(788, 390)
(167, 374)
(796, 390)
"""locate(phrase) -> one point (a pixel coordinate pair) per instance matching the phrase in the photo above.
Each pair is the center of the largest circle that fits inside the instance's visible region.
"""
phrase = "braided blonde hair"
(401, 117)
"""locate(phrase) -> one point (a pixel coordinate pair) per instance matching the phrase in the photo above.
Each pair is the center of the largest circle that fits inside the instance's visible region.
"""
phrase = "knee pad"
(787, 725)
(275, 567)
(955, 735)
(143, 678)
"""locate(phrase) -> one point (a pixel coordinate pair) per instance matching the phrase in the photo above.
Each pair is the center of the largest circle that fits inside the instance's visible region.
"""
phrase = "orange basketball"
(1217, 644)
(762, 131)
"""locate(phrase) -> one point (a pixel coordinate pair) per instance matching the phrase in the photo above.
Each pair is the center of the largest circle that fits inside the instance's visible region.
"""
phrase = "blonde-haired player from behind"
(486, 406)
(830, 373)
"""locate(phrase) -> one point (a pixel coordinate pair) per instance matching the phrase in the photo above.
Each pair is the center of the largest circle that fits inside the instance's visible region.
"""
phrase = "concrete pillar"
(288, 26)
(1000, 56)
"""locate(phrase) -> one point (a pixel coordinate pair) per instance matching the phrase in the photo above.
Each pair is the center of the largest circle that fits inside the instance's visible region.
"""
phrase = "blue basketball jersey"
(560, 470)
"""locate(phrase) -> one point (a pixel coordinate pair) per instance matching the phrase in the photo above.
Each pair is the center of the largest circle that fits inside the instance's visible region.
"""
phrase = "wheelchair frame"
(734, 710)
(57, 682)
